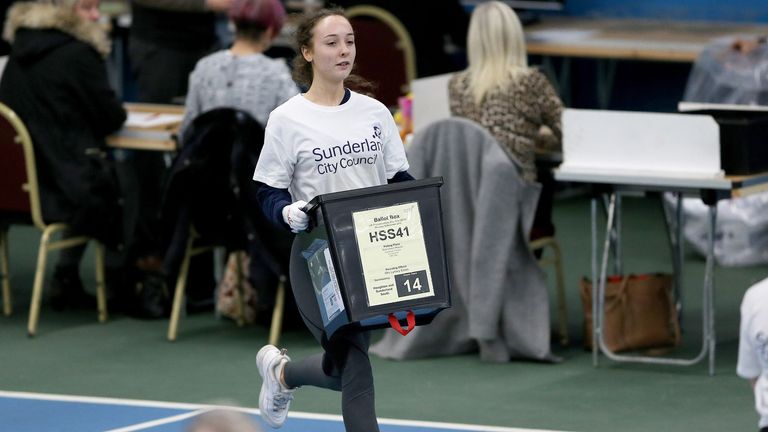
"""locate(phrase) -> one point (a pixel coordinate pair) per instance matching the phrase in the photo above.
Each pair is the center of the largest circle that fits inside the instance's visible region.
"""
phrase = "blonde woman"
(499, 91)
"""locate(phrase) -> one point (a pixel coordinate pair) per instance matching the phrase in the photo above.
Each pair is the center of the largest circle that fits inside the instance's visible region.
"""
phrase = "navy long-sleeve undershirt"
(272, 200)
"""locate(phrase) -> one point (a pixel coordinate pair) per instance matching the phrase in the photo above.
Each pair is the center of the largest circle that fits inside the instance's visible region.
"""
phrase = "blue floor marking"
(34, 412)
(29, 415)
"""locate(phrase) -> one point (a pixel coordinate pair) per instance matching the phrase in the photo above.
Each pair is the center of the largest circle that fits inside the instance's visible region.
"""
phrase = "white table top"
(602, 176)
(735, 185)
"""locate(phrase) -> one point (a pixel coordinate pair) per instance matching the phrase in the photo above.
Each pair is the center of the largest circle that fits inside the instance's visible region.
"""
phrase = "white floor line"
(100, 400)
(159, 422)
(203, 407)
(458, 426)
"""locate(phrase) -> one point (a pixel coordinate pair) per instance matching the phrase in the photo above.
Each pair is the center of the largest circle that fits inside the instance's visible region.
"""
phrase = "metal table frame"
(613, 185)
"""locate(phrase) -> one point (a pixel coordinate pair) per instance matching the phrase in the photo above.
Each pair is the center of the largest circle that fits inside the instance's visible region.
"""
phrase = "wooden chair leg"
(551, 242)
(178, 295)
(7, 305)
(101, 292)
(37, 287)
(277, 313)
(561, 305)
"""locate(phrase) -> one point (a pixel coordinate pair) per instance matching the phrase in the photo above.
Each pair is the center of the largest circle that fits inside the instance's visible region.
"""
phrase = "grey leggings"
(344, 366)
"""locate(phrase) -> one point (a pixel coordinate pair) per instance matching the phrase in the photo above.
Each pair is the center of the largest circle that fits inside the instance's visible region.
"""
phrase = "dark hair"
(253, 17)
(302, 69)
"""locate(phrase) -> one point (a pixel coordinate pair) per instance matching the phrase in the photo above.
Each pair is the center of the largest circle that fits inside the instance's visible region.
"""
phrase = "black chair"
(210, 200)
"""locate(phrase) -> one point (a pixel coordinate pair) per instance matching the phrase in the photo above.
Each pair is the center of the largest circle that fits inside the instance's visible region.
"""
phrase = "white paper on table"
(562, 35)
(705, 106)
(148, 120)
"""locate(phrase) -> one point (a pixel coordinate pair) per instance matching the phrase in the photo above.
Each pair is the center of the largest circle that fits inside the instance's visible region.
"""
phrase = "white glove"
(294, 217)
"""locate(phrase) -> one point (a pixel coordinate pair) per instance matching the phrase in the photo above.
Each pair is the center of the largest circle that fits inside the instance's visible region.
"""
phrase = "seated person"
(499, 91)
(56, 81)
(242, 76)
(752, 363)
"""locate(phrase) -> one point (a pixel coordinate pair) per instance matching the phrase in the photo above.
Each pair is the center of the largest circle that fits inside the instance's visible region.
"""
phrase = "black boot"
(121, 296)
(67, 290)
(153, 299)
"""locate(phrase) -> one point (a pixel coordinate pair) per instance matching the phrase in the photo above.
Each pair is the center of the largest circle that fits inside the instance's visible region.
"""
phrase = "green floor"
(213, 360)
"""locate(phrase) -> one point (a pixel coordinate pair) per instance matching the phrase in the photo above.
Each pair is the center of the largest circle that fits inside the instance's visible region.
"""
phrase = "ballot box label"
(393, 254)
(332, 301)
(324, 281)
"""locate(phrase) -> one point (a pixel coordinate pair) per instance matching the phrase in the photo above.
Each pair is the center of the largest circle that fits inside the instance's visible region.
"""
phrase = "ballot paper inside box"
(376, 256)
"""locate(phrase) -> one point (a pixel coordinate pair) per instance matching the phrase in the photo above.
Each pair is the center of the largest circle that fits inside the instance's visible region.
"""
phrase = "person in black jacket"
(56, 81)
(168, 37)
(5, 47)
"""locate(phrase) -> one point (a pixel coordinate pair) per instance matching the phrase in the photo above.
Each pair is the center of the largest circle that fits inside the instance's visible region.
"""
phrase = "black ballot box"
(376, 255)
(743, 142)
(743, 136)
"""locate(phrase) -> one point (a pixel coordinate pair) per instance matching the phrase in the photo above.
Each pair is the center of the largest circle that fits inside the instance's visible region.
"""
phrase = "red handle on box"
(410, 318)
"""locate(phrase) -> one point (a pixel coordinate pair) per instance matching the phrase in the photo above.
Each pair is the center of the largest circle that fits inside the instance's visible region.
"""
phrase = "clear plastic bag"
(723, 74)
(741, 230)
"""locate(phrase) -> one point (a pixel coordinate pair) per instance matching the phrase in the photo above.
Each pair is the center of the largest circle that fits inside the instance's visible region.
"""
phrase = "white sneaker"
(274, 399)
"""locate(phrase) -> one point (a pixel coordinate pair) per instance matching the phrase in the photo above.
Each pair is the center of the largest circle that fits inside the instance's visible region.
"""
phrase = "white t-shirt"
(313, 149)
(753, 344)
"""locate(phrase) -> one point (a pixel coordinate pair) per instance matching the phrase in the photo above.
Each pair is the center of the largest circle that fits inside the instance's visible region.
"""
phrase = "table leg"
(618, 267)
(600, 315)
(679, 257)
(708, 329)
(606, 72)
(709, 291)
(615, 233)
(674, 223)
(561, 80)
(593, 256)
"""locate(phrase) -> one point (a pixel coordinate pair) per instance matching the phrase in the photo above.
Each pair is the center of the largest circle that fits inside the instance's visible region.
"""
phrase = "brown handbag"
(639, 312)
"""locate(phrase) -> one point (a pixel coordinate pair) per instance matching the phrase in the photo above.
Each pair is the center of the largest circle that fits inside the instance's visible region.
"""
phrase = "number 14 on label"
(416, 285)
(412, 283)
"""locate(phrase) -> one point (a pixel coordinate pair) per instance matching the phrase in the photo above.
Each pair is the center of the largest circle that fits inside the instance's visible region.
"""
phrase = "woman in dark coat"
(56, 81)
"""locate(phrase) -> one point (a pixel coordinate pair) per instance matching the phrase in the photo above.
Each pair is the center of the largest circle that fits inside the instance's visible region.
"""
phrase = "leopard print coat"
(513, 116)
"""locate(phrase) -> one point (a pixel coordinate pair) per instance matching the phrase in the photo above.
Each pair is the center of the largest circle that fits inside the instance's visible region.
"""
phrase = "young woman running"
(300, 160)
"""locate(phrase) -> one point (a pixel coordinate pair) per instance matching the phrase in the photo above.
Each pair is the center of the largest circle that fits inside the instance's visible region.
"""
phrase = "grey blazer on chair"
(499, 294)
